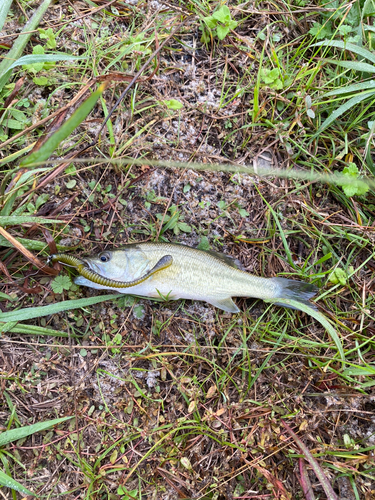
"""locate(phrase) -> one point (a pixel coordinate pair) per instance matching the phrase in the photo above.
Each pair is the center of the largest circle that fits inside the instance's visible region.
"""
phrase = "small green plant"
(36, 67)
(340, 276)
(355, 186)
(331, 20)
(321, 32)
(204, 244)
(96, 187)
(242, 211)
(271, 78)
(33, 207)
(126, 494)
(14, 119)
(222, 204)
(139, 311)
(135, 46)
(220, 22)
(173, 221)
(117, 340)
(61, 283)
(164, 298)
(48, 35)
(172, 104)
(126, 301)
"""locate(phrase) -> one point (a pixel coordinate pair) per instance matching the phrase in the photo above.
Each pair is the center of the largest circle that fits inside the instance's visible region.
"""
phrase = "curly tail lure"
(87, 273)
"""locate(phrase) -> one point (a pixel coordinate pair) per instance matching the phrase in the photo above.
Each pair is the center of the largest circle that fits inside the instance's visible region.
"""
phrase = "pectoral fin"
(225, 304)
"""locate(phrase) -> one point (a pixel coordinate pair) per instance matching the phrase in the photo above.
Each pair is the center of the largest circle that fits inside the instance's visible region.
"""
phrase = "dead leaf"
(26, 253)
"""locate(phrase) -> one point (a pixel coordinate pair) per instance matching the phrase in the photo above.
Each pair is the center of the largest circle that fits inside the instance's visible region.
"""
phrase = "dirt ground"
(178, 399)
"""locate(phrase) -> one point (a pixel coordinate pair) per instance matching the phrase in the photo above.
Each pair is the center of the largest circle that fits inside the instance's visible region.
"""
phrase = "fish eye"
(104, 257)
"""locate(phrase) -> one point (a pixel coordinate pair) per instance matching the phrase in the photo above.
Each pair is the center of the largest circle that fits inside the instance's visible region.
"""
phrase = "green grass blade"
(352, 88)
(35, 245)
(342, 109)
(359, 371)
(16, 154)
(64, 131)
(256, 91)
(22, 432)
(5, 296)
(38, 312)
(19, 45)
(319, 317)
(6, 327)
(12, 220)
(367, 27)
(9, 482)
(347, 46)
(355, 65)
(4, 9)
(14, 327)
(43, 58)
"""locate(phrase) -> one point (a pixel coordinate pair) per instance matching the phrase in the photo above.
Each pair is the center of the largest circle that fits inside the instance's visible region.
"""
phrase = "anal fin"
(226, 304)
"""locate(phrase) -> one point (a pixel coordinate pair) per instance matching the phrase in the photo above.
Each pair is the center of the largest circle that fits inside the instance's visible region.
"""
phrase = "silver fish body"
(194, 274)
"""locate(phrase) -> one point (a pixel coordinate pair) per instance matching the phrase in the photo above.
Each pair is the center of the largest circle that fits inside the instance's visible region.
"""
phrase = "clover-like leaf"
(340, 276)
(139, 311)
(173, 104)
(232, 24)
(210, 22)
(222, 32)
(182, 226)
(355, 186)
(61, 283)
(222, 14)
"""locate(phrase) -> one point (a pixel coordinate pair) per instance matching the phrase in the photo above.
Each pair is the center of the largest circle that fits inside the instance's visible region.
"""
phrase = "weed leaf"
(65, 130)
(352, 88)
(61, 283)
(67, 305)
(354, 65)
(13, 220)
(22, 432)
(347, 46)
(43, 58)
(4, 9)
(9, 482)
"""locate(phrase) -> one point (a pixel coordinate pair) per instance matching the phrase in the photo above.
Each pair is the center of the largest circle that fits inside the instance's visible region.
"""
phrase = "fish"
(174, 271)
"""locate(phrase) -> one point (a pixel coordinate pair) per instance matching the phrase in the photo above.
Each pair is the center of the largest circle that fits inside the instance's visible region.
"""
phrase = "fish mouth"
(94, 272)
(90, 265)
(87, 263)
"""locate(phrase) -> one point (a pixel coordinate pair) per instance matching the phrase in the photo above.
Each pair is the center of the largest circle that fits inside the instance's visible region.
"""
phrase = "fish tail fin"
(295, 290)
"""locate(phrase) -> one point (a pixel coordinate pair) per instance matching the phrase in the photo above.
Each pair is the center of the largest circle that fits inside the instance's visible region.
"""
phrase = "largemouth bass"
(176, 271)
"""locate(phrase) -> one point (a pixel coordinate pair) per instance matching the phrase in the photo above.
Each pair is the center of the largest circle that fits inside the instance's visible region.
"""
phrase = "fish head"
(121, 265)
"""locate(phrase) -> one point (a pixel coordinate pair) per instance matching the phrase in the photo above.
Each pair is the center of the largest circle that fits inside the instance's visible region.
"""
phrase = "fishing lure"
(96, 278)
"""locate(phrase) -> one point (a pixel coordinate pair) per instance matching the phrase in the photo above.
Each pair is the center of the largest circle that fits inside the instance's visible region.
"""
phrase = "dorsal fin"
(230, 261)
